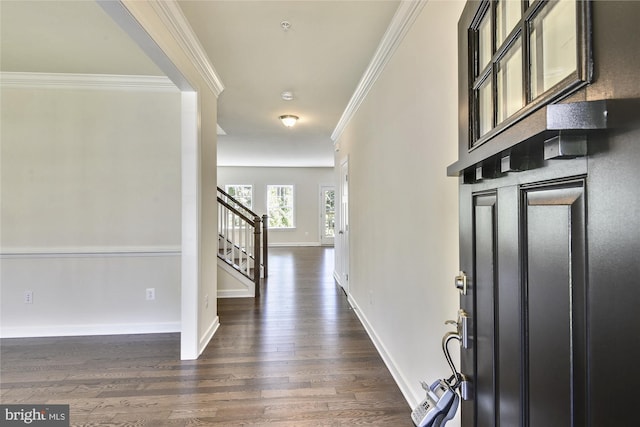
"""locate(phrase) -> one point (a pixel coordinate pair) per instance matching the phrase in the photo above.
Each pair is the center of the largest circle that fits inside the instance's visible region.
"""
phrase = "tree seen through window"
(280, 205)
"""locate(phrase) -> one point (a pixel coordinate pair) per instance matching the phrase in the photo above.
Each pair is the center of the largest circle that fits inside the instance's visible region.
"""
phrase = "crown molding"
(400, 24)
(87, 81)
(173, 17)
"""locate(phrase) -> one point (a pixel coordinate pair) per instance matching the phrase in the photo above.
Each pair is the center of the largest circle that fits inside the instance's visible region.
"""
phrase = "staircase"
(242, 240)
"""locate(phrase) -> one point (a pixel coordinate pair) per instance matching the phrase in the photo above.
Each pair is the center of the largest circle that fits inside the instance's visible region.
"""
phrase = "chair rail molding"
(90, 252)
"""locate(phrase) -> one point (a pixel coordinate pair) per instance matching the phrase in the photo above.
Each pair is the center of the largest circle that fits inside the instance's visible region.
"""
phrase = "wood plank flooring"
(297, 356)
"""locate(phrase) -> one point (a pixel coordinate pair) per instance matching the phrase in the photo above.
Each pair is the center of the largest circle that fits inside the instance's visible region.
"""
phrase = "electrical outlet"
(151, 294)
(28, 297)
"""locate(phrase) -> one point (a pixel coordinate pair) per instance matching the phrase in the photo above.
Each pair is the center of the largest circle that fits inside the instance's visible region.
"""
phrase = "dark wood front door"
(550, 227)
(527, 298)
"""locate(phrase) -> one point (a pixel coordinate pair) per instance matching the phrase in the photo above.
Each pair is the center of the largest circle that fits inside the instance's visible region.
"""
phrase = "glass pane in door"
(509, 82)
(485, 107)
(507, 16)
(329, 223)
(552, 41)
(485, 46)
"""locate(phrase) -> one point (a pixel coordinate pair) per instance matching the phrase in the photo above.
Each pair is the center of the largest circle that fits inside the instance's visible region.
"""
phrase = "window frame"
(292, 206)
(250, 186)
(529, 10)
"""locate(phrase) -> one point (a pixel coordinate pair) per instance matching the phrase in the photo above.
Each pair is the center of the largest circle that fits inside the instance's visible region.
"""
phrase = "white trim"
(401, 22)
(337, 278)
(151, 33)
(90, 252)
(206, 337)
(173, 17)
(85, 330)
(286, 244)
(120, 12)
(235, 293)
(250, 290)
(87, 81)
(403, 384)
(190, 232)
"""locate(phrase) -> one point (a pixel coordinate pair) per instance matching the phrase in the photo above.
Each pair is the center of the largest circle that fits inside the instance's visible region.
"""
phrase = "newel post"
(256, 254)
(265, 242)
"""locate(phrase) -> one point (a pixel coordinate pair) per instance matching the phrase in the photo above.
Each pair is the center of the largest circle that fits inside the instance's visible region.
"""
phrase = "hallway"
(298, 356)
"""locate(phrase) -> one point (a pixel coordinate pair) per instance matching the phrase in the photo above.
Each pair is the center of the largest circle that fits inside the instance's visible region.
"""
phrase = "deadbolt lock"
(461, 282)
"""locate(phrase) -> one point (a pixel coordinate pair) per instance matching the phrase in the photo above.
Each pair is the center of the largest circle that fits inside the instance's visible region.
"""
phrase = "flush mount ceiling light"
(288, 120)
(287, 95)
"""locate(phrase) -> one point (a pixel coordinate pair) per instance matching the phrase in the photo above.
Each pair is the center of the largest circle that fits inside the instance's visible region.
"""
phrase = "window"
(280, 206)
(328, 212)
(242, 193)
(523, 55)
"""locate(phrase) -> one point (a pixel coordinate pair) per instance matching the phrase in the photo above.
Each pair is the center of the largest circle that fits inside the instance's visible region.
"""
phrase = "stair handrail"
(250, 251)
(237, 212)
(237, 205)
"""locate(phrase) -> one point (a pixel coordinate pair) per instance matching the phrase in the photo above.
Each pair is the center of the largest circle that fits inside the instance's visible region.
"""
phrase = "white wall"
(306, 182)
(91, 211)
(403, 207)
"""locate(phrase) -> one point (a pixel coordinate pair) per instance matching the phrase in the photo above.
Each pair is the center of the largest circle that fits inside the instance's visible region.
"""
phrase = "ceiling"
(320, 59)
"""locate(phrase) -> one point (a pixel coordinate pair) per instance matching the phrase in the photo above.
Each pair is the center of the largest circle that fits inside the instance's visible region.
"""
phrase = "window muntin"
(280, 206)
(535, 56)
(242, 193)
(508, 13)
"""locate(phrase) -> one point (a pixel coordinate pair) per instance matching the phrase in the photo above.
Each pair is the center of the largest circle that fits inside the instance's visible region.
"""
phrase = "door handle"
(466, 388)
(462, 327)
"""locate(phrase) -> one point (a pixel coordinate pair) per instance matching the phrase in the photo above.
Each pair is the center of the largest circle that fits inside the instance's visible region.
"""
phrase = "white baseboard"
(336, 277)
(402, 383)
(246, 289)
(235, 293)
(85, 330)
(288, 244)
(206, 337)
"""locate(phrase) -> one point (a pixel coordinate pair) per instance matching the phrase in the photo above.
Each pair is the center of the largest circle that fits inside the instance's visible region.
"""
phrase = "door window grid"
(509, 78)
(552, 45)
(523, 54)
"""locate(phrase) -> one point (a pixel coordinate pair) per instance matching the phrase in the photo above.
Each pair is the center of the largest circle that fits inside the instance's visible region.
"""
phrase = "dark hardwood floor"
(298, 356)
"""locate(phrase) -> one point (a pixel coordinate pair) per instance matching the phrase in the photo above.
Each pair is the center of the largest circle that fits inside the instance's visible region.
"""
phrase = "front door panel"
(529, 305)
(484, 291)
(554, 232)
